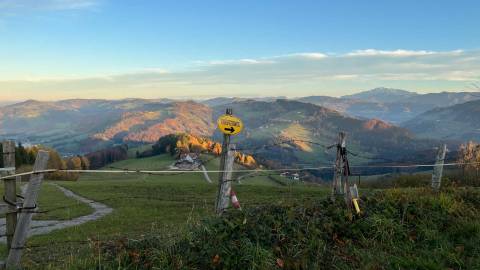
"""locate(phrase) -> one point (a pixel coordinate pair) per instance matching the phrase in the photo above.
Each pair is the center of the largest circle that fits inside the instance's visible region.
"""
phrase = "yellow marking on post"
(229, 125)
(357, 207)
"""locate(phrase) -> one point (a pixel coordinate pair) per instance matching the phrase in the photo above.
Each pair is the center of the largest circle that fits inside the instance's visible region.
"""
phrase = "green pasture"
(144, 205)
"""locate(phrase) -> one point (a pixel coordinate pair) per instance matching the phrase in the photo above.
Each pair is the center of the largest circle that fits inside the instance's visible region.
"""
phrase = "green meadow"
(143, 205)
(167, 222)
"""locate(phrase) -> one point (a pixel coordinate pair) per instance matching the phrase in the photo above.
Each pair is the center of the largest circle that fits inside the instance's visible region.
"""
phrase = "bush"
(399, 229)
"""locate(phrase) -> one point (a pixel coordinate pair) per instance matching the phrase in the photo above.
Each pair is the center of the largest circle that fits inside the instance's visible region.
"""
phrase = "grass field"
(408, 228)
(143, 205)
(169, 208)
(52, 204)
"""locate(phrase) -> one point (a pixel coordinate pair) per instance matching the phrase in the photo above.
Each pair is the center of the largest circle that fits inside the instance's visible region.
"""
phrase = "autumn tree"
(469, 157)
(85, 163)
(74, 163)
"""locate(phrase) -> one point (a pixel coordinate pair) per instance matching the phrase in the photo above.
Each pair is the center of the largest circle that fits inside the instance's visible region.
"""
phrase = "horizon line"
(209, 97)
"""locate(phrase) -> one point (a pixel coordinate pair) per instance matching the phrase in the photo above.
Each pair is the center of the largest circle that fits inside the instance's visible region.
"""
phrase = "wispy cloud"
(292, 75)
(244, 61)
(399, 53)
(16, 5)
(309, 55)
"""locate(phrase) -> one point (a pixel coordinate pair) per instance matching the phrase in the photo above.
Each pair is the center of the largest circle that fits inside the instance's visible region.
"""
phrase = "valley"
(401, 124)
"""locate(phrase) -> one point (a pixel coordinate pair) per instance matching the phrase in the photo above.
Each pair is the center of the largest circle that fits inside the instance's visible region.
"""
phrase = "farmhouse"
(187, 161)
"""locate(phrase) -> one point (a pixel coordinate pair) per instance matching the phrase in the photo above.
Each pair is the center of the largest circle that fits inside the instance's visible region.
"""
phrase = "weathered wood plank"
(25, 217)
(10, 186)
(226, 180)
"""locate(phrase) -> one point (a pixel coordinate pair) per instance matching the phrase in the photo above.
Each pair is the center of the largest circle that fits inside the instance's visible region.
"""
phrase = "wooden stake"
(25, 217)
(337, 187)
(226, 182)
(345, 173)
(341, 184)
(438, 169)
(10, 190)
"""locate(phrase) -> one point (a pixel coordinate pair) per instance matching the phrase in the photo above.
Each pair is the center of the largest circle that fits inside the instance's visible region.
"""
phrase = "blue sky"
(52, 49)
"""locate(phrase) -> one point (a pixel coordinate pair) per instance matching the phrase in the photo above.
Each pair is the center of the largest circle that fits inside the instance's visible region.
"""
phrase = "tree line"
(25, 158)
(182, 143)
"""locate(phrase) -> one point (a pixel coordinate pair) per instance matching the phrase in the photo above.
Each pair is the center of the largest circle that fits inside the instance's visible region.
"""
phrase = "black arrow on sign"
(230, 129)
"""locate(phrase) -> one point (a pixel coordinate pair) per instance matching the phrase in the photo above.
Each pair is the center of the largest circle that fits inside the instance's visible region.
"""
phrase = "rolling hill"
(78, 126)
(81, 126)
(460, 122)
(391, 105)
(271, 123)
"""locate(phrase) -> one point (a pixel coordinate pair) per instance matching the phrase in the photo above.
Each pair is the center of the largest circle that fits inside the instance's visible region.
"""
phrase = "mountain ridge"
(460, 122)
(396, 112)
(382, 94)
(83, 125)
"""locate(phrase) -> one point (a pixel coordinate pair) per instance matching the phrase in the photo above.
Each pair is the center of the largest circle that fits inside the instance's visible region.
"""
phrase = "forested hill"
(461, 122)
(391, 105)
(81, 126)
(300, 123)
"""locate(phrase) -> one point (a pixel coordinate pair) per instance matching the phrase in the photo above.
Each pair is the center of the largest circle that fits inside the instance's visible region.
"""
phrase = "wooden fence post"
(10, 186)
(438, 169)
(25, 217)
(340, 183)
(346, 172)
(226, 158)
(226, 181)
(337, 187)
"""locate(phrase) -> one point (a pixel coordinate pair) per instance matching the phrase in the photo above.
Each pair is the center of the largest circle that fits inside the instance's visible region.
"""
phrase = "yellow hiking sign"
(229, 125)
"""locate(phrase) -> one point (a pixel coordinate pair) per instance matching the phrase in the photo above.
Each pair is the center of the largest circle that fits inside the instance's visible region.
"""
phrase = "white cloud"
(245, 61)
(401, 53)
(345, 76)
(291, 74)
(314, 55)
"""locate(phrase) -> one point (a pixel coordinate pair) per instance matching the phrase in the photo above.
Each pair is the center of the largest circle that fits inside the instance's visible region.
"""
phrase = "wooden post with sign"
(10, 186)
(228, 125)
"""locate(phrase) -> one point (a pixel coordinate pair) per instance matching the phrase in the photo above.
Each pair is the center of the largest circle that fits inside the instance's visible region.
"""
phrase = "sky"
(58, 49)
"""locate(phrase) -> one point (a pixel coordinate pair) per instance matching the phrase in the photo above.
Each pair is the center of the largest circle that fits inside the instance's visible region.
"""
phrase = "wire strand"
(168, 172)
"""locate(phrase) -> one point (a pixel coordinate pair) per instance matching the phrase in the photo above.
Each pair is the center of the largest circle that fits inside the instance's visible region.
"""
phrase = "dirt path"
(47, 226)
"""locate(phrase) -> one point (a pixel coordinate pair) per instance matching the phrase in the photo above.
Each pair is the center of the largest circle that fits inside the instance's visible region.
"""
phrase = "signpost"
(229, 125)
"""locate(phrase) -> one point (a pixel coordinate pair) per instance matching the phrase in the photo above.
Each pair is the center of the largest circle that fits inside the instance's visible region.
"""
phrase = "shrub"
(399, 229)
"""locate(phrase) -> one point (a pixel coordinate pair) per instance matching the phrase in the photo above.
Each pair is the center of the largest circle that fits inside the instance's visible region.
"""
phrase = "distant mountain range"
(459, 122)
(221, 101)
(383, 95)
(382, 124)
(391, 105)
(6, 102)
